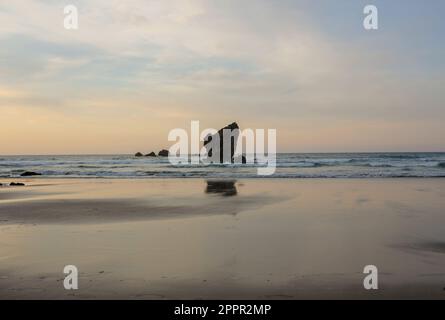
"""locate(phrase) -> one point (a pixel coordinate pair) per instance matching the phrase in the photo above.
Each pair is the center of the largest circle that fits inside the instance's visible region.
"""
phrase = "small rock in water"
(138, 154)
(151, 154)
(16, 184)
(30, 173)
(163, 153)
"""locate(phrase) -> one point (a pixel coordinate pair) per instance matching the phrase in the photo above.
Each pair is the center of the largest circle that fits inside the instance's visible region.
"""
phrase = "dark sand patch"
(113, 210)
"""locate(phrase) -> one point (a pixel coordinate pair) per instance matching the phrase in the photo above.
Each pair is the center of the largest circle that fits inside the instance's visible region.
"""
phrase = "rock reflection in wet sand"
(225, 188)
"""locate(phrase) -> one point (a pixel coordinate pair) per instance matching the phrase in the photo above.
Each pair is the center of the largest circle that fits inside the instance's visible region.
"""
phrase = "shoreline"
(288, 166)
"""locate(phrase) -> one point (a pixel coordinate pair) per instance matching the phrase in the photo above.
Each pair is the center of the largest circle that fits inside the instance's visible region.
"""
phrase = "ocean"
(289, 165)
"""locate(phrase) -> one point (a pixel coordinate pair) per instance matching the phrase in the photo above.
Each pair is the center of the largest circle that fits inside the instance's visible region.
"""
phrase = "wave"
(371, 165)
(294, 166)
(403, 173)
(85, 166)
(400, 156)
(9, 165)
(17, 171)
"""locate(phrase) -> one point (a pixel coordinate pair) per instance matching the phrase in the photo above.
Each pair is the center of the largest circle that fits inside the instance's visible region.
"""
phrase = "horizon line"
(132, 154)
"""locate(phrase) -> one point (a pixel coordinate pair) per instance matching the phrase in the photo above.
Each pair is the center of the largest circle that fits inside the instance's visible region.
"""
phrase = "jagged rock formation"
(233, 139)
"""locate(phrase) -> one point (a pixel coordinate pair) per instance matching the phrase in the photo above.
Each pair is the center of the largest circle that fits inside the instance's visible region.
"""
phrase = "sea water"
(289, 165)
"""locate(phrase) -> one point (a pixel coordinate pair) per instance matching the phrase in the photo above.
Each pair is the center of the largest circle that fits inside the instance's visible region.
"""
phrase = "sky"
(136, 69)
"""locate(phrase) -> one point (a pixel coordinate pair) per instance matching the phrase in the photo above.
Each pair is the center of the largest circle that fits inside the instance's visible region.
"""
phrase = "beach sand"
(198, 239)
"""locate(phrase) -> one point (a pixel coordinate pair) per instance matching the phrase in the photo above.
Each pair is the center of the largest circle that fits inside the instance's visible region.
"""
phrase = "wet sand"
(252, 239)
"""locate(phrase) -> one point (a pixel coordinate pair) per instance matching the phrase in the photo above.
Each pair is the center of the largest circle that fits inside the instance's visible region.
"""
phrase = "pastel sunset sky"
(137, 69)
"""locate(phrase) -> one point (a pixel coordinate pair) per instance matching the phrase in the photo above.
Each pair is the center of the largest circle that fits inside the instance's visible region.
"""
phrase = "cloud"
(260, 62)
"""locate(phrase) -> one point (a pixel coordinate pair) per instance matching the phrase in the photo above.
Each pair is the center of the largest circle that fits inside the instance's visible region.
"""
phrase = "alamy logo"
(71, 281)
(371, 21)
(228, 145)
(71, 21)
(371, 280)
